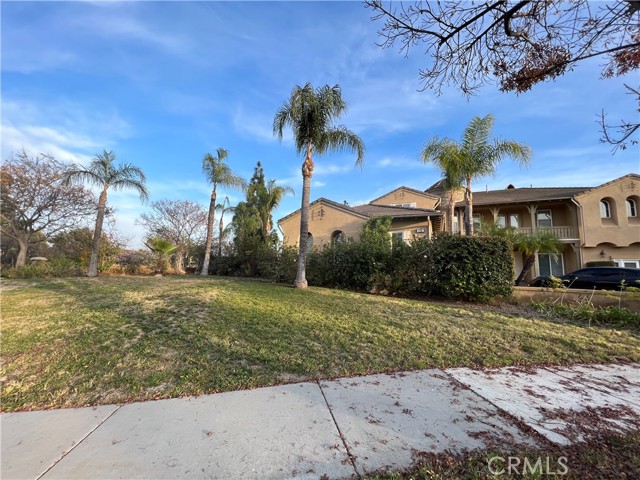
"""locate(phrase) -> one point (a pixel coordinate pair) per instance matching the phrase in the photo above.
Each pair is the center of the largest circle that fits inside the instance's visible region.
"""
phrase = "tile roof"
(370, 211)
(521, 195)
(396, 212)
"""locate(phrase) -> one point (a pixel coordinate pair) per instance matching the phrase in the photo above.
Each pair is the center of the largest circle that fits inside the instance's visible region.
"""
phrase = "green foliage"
(56, 267)
(75, 246)
(469, 268)
(612, 315)
(601, 263)
(472, 268)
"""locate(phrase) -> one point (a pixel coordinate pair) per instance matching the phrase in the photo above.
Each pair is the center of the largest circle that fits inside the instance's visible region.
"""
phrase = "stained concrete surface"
(541, 397)
(308, 430)
(278, 432)
(389, 419)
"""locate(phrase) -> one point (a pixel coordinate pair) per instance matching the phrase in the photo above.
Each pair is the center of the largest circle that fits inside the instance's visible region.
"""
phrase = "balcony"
(563, 233)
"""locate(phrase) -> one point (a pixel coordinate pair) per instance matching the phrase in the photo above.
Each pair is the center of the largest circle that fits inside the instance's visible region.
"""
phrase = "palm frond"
(339, 138)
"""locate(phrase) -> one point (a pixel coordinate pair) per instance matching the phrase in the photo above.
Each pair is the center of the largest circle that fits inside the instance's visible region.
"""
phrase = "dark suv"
(601, 278)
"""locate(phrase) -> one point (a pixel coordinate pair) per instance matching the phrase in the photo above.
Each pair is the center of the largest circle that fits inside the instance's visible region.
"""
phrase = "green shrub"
(472, 268)
(56, 267)
(602, 263)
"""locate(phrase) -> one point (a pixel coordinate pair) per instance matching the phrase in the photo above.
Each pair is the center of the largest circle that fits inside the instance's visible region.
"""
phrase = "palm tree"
(310, 114)
(218, 173)
(529, 244)
(477, 156)
(444, 154)
(162, 247)
(224, 207)
(268, 200)
(103, 173)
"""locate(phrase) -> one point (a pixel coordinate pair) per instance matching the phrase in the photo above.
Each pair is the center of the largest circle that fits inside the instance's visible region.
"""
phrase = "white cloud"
(63, 129)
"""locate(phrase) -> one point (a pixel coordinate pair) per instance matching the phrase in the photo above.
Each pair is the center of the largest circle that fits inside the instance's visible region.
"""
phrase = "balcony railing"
(563, 233)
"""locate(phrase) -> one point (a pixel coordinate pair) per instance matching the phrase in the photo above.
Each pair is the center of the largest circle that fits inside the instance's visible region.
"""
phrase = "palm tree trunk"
(221, 227)
(210, 220)
(307, 173)
(97, 234)
(23, 245)
(525, 269)
(468, 210)
(452, 211)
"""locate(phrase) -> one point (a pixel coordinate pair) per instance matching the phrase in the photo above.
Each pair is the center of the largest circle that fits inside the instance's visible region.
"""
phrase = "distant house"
(593, 223)
(413, 214)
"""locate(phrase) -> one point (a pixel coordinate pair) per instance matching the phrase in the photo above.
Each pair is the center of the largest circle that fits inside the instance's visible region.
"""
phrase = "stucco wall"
(323, 221)
(619, 230)
(407, 196)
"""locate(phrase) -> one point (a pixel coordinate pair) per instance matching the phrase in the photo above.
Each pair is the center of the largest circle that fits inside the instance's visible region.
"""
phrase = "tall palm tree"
(103, 173)
(477, 155)
(218, 173)
(310, 114)
(269, 198)
(445, 154)
(223, 207)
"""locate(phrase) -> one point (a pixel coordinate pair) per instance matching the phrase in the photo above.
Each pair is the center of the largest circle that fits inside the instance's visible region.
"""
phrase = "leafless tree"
(181, 222)
(35, 202)
(516, 43)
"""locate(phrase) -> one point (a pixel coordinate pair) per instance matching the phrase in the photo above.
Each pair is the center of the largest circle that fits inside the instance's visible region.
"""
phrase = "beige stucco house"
(413, 214)
(593, 223)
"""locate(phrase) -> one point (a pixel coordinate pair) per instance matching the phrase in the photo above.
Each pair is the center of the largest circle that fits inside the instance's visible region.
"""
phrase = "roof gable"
(406, 189)
(634, 177)
(329, 203)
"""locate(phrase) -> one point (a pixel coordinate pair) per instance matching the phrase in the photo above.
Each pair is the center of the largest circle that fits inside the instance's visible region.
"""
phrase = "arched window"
(338, 237)
(632, 208)
(605, 209)
(309, 243)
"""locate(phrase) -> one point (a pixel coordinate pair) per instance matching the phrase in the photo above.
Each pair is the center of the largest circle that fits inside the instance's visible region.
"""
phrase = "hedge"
(469, 268)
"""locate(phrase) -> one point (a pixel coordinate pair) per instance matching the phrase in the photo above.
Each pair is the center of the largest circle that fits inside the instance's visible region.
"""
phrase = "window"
(508, 220)
(456, 226)
(632, 208)
(477, 221)
(605, 209)
(628, 263)
(544, 218)
(338, 237)
(397, 237)
(550, 264)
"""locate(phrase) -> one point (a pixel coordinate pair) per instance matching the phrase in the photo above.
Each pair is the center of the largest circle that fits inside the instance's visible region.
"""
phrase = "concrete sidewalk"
(345, 428)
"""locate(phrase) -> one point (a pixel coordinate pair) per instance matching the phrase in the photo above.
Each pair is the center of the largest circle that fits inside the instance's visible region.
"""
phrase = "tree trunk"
(468, 210)
(178, 260)
(452, 210)
(210, 220)
(21, 261)
(525, 268)
(307, 173)
(221, 228)
(97, 235)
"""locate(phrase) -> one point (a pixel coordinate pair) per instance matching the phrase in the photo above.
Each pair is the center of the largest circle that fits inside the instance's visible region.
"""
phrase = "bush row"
(469, 268)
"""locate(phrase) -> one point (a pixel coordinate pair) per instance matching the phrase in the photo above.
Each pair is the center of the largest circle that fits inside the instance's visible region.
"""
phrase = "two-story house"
(593, 223)
(413, 214)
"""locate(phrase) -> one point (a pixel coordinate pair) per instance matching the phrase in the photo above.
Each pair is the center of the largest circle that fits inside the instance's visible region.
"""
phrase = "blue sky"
(162, 83)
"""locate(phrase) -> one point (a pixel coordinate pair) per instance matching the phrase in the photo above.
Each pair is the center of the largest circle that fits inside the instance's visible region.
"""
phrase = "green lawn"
(74, 342)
